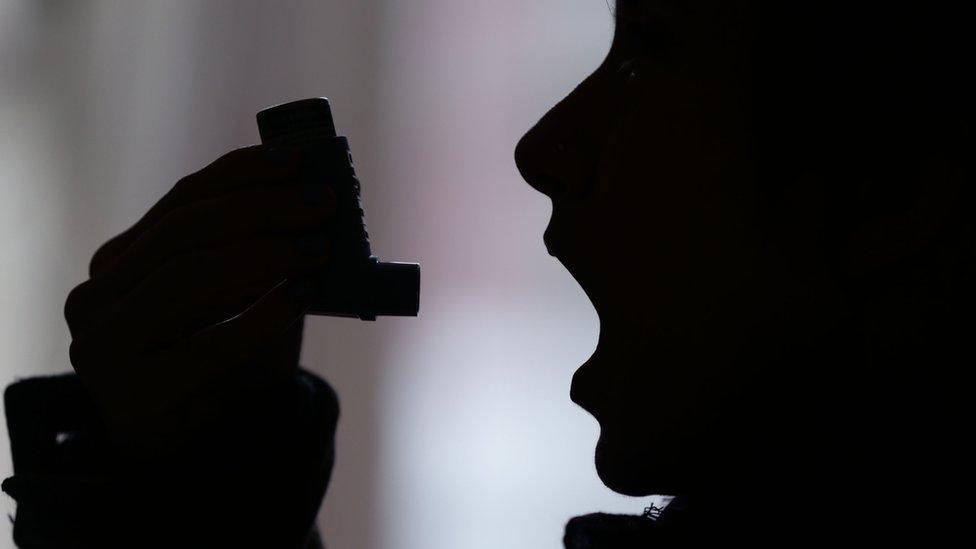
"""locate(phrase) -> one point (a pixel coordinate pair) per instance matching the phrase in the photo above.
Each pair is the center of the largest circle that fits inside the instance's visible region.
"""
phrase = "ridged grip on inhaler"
(355, 283)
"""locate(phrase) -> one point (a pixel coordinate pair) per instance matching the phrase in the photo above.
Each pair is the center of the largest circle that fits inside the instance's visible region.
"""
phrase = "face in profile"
(649, 167)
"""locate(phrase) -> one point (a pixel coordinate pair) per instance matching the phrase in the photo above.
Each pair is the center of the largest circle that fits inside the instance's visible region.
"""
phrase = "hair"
(863, 95)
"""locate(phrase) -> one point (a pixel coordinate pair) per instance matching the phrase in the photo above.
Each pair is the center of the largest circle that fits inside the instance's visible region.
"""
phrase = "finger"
(200, 289)
(263, 211)
(240, 168)
(274, 211)
(151, 387)
(209, 223)
(251, 332)
(77, 305)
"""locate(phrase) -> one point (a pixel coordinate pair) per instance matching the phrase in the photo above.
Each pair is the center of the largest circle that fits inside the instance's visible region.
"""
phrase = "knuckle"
(78, 354)
(104, 254)
(234, 160)
(193, 183)
(188, 214)
(240, 153)
(184, 183)
(76, 303)
(170, 222)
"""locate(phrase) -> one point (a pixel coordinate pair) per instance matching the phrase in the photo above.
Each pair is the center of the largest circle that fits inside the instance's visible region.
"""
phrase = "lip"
(585, 387)
(549, 240)
(554, 237)
(577, 396)
(547, 184)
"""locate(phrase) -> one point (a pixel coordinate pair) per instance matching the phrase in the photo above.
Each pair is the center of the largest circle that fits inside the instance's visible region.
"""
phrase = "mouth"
(585, 389)
(552, 236)
(550, 244)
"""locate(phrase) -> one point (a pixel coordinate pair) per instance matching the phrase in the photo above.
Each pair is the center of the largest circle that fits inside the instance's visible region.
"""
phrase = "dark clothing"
(257, 481)
(256, 474)
(253, 477)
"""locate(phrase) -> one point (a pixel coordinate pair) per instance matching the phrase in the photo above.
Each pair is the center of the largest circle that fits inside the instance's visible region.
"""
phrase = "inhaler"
(354, 283)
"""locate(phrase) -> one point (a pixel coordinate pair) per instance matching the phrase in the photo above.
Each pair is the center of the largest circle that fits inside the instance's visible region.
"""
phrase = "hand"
(207, 281)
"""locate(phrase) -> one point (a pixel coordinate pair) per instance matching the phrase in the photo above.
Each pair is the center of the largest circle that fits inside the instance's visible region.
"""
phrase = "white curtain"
(457, 430)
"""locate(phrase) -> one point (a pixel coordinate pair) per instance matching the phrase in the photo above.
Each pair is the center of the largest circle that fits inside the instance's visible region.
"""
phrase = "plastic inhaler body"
(354, 283)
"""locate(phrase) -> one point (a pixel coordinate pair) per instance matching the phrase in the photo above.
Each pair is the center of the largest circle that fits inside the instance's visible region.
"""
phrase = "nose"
(558, 156)
(543, 160)
(537, 159)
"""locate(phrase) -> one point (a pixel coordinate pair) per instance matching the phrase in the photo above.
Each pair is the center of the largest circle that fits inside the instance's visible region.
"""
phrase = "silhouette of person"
(768, 205)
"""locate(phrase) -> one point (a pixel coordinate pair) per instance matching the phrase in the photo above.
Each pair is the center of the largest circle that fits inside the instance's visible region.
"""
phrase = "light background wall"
(457, 430)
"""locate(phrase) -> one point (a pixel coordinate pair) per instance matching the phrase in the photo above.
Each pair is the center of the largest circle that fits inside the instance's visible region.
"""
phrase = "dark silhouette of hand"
(206, 283)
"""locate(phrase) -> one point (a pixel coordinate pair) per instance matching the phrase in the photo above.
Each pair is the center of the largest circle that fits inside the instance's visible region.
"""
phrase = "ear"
(891, 236)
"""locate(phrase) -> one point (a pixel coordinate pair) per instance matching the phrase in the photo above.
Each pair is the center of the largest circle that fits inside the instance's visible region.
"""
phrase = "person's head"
(768, 205)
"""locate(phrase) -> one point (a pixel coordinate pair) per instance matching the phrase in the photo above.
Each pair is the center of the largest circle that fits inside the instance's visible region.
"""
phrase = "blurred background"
(457, 429)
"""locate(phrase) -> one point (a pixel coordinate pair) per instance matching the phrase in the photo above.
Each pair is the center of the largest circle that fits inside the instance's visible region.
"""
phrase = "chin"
(634, 472)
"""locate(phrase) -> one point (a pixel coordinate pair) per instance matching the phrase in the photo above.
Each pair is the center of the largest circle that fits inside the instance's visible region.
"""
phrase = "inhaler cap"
(296, 122)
